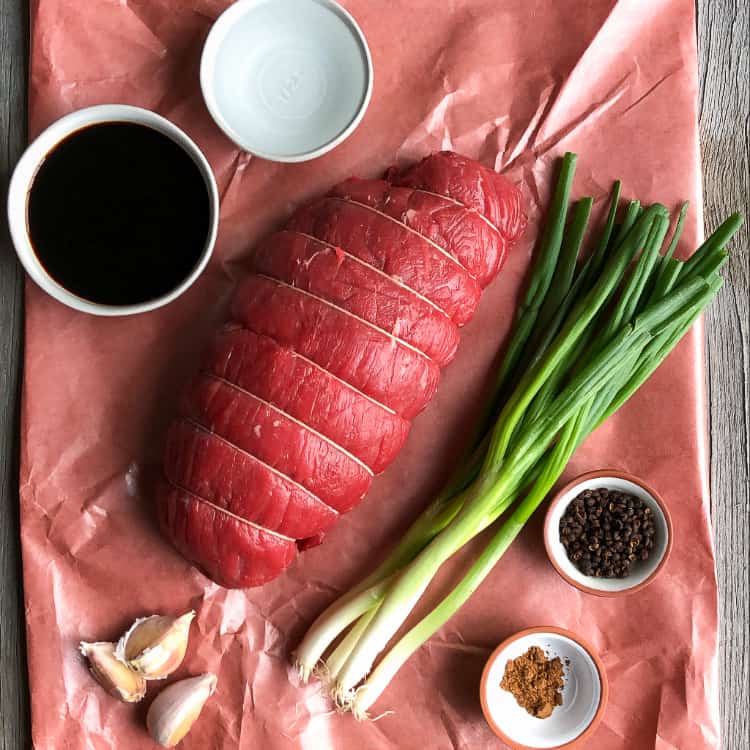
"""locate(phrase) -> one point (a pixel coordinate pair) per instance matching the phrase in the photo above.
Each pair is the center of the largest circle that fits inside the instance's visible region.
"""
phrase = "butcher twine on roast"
(334, 344)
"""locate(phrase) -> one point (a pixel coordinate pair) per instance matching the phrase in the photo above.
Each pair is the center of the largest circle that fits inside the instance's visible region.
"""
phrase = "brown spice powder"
(535, 682)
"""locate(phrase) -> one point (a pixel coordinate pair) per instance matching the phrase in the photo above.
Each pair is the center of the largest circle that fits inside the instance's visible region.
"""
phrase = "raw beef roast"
(334, 343)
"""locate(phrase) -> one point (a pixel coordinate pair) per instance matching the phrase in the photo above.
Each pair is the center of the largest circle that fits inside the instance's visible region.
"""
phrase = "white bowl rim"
(213, 41)
(28, 165)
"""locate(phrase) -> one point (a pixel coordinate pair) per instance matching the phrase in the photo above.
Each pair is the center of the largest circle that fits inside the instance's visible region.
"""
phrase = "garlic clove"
(155, 646)
(114, 676)
(175, 710)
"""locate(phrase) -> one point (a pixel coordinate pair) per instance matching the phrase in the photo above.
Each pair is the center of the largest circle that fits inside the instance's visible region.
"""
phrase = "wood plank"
(724, 40)
(14, 702)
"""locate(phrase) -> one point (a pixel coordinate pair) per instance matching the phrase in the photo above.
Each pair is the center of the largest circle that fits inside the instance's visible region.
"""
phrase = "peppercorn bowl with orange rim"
(584, 692)
(606, 492)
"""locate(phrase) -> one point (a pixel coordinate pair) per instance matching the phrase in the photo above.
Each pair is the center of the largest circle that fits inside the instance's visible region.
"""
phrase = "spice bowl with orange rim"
(641, 572)
(584, 692)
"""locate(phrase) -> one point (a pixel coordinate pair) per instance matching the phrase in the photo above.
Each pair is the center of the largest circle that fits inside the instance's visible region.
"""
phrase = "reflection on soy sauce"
(118, 213)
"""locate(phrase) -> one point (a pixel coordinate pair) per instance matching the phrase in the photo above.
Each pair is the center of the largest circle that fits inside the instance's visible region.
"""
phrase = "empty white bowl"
(641, 572)
(584, 695)
(286, 80)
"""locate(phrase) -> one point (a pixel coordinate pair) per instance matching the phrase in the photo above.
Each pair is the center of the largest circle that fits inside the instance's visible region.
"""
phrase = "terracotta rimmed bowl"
(642, 572)
(584, 695)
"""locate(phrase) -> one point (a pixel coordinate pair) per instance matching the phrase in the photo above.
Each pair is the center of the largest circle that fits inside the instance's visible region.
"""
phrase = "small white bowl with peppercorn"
(608, 533)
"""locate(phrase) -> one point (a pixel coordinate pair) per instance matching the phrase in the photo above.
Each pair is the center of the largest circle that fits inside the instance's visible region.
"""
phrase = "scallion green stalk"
(575, 379)
(382, 675)
(488, 502)
(544, 335)
(575, 326)
(542, 274)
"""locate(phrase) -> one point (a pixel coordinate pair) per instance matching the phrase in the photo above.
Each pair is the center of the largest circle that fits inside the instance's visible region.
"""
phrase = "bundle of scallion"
(585, 338)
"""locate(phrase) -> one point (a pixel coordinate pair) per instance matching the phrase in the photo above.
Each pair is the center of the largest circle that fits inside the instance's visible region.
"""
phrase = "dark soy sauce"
(118, 213)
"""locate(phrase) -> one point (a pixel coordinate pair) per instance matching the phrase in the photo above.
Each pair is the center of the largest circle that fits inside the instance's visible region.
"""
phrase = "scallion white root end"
(364, 696)
(304, 671)
(341, 697)
(321, 672)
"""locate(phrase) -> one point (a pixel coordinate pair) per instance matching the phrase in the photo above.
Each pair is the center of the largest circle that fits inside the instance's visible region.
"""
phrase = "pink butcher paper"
(513, 84)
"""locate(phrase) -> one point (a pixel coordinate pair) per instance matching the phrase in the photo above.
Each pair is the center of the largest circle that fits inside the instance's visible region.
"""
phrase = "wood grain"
(724, 38)
(14, 702)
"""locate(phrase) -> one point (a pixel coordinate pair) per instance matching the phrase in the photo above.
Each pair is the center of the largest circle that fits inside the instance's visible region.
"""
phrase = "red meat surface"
(390, 246)
(334, 343)
(374, 362)
(293, 448)
(470, 183)
(329, 272)
(368, 430)
(232, 551)
(211, 467)
(443, 220)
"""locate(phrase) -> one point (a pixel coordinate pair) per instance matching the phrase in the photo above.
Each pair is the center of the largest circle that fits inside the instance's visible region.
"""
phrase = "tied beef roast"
(333, 344)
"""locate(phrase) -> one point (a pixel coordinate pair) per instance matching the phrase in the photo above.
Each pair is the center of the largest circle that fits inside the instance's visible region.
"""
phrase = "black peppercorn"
(605, 531)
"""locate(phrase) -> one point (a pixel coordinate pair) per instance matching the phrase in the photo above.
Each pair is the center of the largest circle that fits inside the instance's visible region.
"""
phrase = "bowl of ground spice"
(543, 688)
(608, 533)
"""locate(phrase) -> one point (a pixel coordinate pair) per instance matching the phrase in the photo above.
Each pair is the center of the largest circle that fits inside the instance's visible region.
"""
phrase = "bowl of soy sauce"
(113, 210)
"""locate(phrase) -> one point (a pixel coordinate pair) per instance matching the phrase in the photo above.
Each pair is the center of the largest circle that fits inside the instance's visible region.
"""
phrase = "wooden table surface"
(724, 40)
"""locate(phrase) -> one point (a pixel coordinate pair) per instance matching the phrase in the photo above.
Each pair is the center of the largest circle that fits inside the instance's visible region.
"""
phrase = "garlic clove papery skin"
(114, 676)
(175, 710)
(155, 646)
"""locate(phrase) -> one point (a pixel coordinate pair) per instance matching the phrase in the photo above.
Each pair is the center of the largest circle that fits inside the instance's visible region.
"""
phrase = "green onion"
(664, 261)
(596, 260)
(489, 501)
(566, 265)
(544, 335)
(612, 329)
(632, 214)
(579, 318)
(366, 695)
(544, 268)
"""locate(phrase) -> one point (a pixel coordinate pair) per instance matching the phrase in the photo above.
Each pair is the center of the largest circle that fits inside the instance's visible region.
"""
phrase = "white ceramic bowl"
(286, 80)
(641, 572)
(584, 693)
(31, 160)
